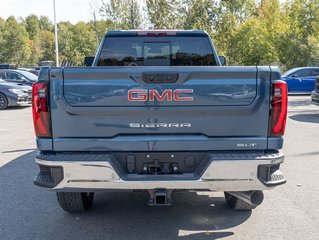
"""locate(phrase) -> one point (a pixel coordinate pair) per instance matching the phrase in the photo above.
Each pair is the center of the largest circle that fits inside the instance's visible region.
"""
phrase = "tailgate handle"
(160, 77)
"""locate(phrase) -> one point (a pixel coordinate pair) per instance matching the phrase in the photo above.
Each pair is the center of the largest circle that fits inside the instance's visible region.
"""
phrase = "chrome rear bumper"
(225, 172)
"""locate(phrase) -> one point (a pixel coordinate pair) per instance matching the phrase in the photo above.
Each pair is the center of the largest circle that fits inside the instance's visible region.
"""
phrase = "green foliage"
(256, 40)
(248, 32)
(45, 24)
(32, 26)
(300, 43)
(47, 46)
(133, 19)
(15, 46)
(240, 9)
(163, 13)
(250, 45)
(122, 14)
(83, 44)
(201, 15)
(2, 25)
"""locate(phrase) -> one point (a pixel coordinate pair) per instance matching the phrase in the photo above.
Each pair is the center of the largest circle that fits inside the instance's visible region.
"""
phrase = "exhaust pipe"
(254, 198)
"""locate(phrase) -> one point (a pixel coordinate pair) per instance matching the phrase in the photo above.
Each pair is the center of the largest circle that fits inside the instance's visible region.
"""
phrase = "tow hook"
(160, 197)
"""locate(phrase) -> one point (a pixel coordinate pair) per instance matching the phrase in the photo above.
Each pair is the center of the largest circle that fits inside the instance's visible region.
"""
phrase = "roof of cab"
(156, 32)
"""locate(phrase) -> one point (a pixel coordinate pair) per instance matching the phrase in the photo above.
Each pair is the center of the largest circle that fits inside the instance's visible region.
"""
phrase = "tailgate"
(160, 108)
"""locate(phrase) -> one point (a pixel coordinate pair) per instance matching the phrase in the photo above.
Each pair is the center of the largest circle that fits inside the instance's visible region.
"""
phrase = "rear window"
(157, 51)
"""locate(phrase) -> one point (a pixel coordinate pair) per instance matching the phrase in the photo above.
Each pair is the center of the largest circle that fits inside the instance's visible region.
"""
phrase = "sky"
(67, 10)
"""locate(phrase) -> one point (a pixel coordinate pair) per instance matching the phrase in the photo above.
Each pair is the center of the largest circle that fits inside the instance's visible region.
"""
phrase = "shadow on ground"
(17, 108)
(308, 117)
(30, 212)
(316, 153)
(19, 150)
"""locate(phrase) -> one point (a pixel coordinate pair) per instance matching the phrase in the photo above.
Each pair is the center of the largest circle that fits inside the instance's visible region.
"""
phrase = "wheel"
(75, 202)
(3, 101)
(236, 203)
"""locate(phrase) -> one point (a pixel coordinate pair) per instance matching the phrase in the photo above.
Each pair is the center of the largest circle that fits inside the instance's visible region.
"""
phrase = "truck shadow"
(192, 216)
(30, 212)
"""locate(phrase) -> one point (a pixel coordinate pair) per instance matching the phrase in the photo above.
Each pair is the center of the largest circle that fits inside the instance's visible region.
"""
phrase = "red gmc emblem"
(142, 95)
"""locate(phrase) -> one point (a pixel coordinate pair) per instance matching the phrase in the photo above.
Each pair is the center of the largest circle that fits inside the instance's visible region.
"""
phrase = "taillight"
(279, 108)
(40, 111)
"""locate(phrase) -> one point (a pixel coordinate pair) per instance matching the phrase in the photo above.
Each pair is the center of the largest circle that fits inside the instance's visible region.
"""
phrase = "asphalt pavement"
(288, 212)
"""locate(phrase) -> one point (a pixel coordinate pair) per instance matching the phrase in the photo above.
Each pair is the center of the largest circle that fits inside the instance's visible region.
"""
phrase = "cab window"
(301, 73)
(14, 76)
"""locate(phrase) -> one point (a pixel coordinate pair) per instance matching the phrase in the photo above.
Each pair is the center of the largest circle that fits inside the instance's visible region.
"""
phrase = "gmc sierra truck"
(157, 111)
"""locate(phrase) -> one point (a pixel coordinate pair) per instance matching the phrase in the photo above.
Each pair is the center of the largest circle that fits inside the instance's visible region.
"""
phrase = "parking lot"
(288, 212)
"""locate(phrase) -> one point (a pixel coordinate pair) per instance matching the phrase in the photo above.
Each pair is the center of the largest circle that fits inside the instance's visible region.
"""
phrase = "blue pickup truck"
(158, 112)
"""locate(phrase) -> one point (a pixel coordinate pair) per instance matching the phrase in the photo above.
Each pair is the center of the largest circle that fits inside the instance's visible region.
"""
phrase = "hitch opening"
(160, 197)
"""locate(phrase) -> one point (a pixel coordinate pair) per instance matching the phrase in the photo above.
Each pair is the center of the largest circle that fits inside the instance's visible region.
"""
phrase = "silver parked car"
(18, 76)
(13, 94)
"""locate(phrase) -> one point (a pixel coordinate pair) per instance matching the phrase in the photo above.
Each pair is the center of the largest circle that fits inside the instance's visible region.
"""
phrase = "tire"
(75, 202)
(237, 204)
(3, 101)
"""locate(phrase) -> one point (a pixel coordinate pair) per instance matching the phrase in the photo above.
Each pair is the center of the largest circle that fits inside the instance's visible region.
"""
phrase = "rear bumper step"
(224, 172)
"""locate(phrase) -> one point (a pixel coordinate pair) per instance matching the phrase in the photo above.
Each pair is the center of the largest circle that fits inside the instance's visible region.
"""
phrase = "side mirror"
(222, 60)
(88, 61)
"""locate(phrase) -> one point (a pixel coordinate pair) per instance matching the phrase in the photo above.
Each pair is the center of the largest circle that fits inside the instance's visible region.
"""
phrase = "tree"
(240, 9)
(299, 44)
(124, 14)
(313, 43)
(250, 46)
(100, 27)
(82, 44)
(15, 46)
(230, 15)
(134, 18)
(76, 42)
(65, 38)
(162, 13)
(45, 24)
(201, 15)
(47, 46)
(2, 25)
(2, 22)
(32, 26)
(258, 39)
